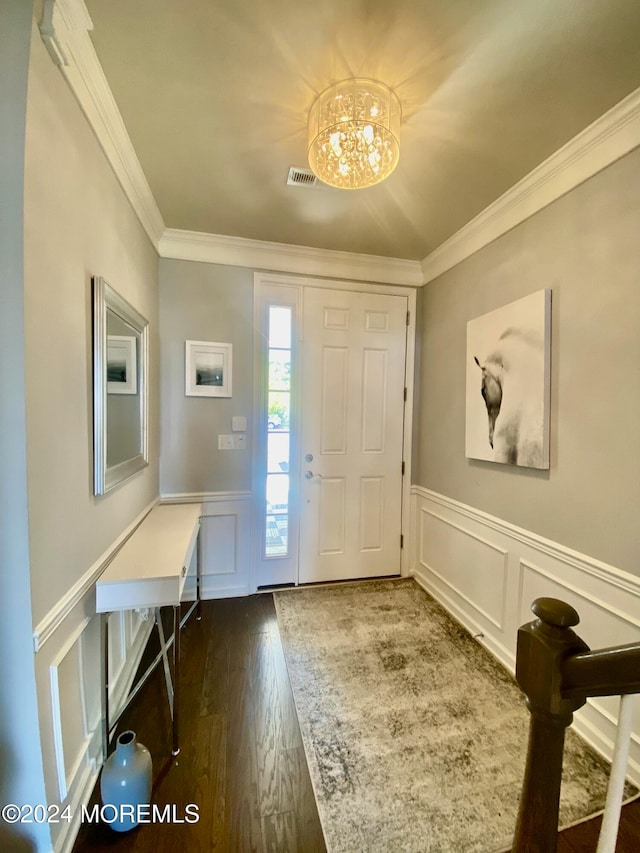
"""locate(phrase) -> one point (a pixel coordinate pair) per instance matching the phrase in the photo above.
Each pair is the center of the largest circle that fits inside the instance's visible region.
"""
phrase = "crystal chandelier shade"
(354, 134)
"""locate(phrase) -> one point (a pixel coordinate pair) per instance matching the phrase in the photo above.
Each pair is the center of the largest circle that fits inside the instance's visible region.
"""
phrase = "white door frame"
(263, 283)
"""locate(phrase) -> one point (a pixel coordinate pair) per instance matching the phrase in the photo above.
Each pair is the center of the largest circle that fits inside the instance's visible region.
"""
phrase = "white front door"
(351, 440)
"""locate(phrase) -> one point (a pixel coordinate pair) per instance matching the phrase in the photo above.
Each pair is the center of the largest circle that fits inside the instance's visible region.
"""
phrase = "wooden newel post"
(542, 647)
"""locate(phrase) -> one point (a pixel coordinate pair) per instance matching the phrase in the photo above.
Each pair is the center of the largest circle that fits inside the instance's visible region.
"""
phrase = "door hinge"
(408, 317)
(405, 395)
(401, 541)
(403, 467)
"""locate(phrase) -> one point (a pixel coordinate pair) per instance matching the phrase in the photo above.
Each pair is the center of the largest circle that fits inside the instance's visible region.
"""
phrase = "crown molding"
(284, 257)
(65, 28)
(609, 138)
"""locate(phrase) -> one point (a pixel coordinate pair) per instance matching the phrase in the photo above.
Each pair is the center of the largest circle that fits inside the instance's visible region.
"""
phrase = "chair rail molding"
(63, 607)
(611, 574)
(200, 497)
(486, 572)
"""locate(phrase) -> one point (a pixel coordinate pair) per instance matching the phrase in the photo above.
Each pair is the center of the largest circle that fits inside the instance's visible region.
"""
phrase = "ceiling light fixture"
(354, 138)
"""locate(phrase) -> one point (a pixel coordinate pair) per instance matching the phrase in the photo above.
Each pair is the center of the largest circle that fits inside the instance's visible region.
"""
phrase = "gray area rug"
(415, 736)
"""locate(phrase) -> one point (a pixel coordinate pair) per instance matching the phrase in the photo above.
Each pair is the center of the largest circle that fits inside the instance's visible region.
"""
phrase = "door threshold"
(309, 584)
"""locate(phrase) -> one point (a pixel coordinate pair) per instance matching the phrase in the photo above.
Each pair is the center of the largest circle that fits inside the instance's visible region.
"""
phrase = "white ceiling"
(215, 94)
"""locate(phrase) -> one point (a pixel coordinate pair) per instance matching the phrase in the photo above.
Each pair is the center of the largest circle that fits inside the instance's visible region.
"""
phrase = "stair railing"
(557, 672)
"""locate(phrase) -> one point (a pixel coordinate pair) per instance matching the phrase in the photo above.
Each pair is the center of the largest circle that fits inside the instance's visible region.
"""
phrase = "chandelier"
(354, 134)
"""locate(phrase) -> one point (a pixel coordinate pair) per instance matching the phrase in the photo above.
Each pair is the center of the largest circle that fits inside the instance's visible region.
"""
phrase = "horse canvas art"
(508, 387)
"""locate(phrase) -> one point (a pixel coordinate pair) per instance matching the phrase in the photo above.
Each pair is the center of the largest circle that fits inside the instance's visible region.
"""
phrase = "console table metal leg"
(199, 575)
(176, 678)
(165, 659)
(104, 634)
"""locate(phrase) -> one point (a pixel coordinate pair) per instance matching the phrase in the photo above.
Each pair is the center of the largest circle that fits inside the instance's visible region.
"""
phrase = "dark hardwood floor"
(584, 837)
(242, 761)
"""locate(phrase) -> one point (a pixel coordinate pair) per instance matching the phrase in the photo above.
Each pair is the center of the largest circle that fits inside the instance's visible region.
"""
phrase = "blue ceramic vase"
(125, 781)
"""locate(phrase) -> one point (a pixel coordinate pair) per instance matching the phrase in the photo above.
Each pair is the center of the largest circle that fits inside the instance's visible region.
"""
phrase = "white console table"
(150, 571)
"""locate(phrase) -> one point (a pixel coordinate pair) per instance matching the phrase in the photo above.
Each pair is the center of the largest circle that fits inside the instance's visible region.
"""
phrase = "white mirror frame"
(105, 297)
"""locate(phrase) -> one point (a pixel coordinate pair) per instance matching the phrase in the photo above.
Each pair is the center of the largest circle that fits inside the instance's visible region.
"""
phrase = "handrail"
(557, 672)
(608, 672)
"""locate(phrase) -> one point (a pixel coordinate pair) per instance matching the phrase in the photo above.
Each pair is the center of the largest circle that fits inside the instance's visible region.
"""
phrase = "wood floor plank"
(214, 688)
(583, 837)
(274, 782)
(290, 726)
(208, 777)
(308, 821)
(280, 833)
(243, 828)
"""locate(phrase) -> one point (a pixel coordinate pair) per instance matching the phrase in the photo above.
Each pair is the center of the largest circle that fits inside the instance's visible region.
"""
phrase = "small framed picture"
(208, 369)
(122, 372)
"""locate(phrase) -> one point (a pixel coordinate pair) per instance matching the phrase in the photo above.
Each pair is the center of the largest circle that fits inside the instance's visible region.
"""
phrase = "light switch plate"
(239, 423)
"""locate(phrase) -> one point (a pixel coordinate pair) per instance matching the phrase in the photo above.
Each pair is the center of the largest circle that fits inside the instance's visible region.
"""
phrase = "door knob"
(309, 475)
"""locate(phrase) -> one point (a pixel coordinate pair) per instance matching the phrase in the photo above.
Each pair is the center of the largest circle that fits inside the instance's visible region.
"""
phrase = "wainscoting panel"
(67, 703)
(221, 534)
(487, 572)
(226, 545)
(68, 677)
(484, 588)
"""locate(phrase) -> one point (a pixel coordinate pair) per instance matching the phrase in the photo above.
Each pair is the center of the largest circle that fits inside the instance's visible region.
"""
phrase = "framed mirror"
(120, 404)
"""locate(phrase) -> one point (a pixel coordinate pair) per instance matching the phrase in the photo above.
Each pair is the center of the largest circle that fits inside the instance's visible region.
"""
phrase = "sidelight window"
(278, 422)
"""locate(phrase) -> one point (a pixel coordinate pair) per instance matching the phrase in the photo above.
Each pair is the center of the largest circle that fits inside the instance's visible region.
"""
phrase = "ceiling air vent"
(301, 178)
(305, 178)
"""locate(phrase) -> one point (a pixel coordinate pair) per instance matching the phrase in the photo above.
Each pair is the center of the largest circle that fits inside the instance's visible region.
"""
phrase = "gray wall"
(586, 248)
(204, 302)
(77, 223)
(21, 772)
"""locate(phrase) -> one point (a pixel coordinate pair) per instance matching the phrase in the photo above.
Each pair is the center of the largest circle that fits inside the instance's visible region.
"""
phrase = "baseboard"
(497, 649)
(210, 592)
(67, 838)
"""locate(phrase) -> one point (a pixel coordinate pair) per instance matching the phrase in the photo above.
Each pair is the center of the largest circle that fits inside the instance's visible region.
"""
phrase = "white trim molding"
(606, 140)
(63, 607)
(65, 28)
(60, 19)
(56, 714)
(287, 258)
(225, 546)
(610, 574)
(201, 497)
(68, 679)
(486, 572)
(225, 541)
